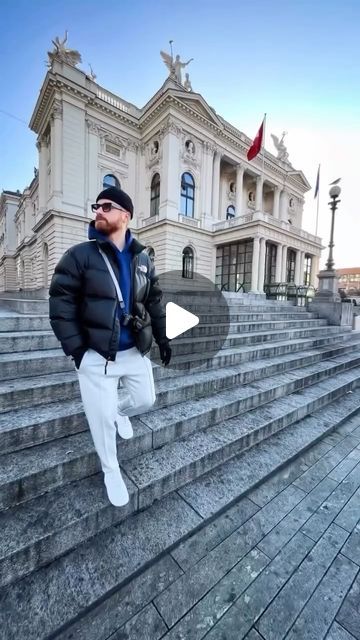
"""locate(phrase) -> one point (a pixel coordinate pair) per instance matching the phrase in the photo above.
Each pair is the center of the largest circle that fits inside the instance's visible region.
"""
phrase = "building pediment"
(192, 103)
(299, 177)
(196, 103)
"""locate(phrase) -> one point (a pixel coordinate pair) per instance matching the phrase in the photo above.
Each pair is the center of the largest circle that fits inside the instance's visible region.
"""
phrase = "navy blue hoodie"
(124, 257)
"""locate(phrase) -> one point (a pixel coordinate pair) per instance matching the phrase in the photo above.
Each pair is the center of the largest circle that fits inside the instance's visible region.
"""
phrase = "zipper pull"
(107, 361)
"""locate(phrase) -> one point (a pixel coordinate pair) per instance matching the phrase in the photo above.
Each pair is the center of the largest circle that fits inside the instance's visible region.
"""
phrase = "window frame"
(155, 195)
(187, 195)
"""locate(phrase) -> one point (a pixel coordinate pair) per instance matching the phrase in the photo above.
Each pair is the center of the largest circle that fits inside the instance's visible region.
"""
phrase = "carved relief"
(188, 152)
(209, 147)
(153, 153)
(57, 111)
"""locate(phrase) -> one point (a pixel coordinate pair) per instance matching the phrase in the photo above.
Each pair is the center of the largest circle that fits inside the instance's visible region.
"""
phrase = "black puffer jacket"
(83, 306)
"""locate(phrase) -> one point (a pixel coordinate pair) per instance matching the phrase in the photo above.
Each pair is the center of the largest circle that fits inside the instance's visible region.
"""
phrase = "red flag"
(256, 145)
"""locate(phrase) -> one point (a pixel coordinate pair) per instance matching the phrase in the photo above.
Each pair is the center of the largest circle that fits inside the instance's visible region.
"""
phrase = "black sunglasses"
(106, 207)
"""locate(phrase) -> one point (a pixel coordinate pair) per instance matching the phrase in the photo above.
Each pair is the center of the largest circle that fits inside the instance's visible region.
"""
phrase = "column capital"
(240, 167)
(57, 110)
(209, 147)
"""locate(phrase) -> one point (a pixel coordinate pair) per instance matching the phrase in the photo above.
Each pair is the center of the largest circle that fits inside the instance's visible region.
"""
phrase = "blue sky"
(298, 61)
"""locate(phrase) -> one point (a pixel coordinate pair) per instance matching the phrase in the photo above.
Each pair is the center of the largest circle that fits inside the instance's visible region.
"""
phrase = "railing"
(232, 222)
(192, 222)
(300, 295)
(259, 216)
(225, 287)
(111, 99)
(148, 221)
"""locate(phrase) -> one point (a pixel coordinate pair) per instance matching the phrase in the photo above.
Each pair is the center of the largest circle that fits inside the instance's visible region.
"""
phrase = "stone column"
(297, 268)
(262, 265)
(302, 265)
(259, 194)
(56, 155)
(239, 189)
(278, 262)
(276, 207)
(284, 262)
(216, 186)
(314, 270)
(255, 265)
(207, 179)
(93, 185)
(284, 203)
(170, 185)
(43, 173)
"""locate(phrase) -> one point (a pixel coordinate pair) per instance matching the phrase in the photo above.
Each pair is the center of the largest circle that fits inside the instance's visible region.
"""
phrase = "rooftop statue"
(280, 146)
(174, 65)
(62, 54)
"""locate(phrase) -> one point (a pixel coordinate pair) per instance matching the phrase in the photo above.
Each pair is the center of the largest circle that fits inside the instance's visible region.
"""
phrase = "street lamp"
(334, 195)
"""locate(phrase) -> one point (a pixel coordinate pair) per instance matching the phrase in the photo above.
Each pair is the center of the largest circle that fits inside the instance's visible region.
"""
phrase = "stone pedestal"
(337, 313)
(328, 286)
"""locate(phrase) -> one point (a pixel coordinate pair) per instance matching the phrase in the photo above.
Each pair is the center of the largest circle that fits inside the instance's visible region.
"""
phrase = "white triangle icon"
(178, 320)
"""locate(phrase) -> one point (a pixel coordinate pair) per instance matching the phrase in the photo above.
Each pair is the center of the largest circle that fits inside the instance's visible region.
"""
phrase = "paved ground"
(281, 563)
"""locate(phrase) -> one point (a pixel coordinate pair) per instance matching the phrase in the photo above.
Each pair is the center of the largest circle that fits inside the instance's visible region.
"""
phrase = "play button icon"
(196, 316)
(178, 320)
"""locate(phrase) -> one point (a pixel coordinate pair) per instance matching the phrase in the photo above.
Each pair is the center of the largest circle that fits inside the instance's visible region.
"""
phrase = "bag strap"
(116, 283)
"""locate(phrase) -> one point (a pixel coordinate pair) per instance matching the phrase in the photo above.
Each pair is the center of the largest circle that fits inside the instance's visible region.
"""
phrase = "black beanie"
(119, 196)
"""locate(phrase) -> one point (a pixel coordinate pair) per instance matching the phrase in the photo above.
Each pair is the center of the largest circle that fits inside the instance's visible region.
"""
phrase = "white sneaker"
(124, 427)
(116, 488)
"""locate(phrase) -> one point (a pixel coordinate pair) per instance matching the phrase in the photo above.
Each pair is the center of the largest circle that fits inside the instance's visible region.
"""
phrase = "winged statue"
(62, 54)
(174, 65)
(280, 147)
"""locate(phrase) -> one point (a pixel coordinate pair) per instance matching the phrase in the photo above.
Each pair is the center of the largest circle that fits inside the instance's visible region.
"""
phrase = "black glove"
(165, 353)
(77, 356)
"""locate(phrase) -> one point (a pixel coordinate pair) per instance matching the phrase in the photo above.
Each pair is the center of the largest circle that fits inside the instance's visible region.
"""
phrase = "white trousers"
(99, 394)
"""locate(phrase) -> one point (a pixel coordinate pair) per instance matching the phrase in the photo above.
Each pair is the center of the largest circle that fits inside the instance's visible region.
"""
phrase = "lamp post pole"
(334, 195)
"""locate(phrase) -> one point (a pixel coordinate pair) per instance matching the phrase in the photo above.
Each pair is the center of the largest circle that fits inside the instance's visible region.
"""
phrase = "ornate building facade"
(200, 206)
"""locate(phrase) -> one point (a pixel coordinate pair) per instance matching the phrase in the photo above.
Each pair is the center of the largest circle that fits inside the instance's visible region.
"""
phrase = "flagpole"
(317, 204)
(263, 145)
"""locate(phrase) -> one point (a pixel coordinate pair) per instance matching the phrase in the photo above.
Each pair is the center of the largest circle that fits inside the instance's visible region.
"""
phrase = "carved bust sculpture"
(190, 148)
(154, 150)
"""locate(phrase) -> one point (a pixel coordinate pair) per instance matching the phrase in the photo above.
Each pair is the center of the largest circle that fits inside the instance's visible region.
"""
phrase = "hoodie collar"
(131, 244)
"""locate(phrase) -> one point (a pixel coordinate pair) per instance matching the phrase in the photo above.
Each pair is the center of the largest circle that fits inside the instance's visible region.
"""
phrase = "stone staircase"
(282, 380)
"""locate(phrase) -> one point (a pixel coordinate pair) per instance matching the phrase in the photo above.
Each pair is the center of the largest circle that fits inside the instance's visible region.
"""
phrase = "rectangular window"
(234, 265)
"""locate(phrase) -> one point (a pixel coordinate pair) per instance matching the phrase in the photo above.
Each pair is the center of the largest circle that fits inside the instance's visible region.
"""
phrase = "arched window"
(188, 263)
(230, 212)
(111, 181)
(155, 195)
(151, 253)
(187, 195)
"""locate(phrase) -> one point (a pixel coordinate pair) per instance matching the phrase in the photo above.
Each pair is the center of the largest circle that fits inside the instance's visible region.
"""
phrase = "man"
(108, 337)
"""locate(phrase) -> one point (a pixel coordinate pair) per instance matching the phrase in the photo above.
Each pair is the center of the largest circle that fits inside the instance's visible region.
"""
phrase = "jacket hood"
(131, 244)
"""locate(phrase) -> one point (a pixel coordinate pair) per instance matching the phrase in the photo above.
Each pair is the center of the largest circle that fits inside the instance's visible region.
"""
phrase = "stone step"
(46, 530)
(30, 472)
(23, 428)
(25, 306)
(197, 307)
(18, 322)
(36, 390)
(187, 345)
(234, 355)
(24, 323)
(214, 328)
(17, 341)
